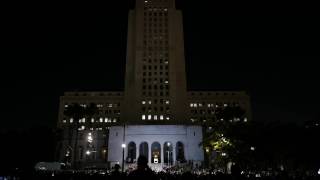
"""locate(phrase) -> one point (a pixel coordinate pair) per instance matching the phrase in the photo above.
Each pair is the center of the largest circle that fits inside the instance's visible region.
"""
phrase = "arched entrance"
(131, 152)
(143, 149)
(155, 152)
(168, 153)
(180, 152)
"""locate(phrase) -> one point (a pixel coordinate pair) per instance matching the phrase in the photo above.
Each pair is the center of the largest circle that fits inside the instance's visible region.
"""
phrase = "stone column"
(161, 153)
(149, 153)
(174, 153)
(137, 151)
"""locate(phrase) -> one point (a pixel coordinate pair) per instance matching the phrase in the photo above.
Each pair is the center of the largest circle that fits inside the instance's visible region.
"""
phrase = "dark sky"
(269, 50)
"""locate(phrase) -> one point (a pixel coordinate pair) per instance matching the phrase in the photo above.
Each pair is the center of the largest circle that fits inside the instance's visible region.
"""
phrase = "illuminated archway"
(155, 152)
(168, 153)
(131, 152)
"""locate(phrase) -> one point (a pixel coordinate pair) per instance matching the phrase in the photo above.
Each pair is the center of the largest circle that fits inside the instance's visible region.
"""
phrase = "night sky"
(269, 50)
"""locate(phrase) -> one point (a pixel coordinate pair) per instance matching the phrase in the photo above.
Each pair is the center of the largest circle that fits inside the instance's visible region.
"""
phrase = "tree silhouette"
(78, 112)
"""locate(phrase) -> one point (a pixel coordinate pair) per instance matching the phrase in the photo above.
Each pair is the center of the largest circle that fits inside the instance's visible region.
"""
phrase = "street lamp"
(168, 154)
(123, 145)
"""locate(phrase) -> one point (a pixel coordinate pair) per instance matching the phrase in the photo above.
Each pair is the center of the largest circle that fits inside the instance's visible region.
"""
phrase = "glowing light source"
(252, 148)
(88, 152)
(90, 139)
(123, 145)
(224, 154)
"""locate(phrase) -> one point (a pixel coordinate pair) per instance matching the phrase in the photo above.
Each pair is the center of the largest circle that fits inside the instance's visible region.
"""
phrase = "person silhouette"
(116, 171)
(143, 171)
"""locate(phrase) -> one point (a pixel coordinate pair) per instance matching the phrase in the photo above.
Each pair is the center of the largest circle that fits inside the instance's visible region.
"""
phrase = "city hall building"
(155, 116)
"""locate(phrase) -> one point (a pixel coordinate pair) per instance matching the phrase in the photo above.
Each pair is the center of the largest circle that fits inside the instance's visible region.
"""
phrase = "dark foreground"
(103, 175)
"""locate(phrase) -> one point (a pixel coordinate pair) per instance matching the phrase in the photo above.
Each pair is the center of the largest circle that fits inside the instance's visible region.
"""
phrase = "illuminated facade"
(155, 95)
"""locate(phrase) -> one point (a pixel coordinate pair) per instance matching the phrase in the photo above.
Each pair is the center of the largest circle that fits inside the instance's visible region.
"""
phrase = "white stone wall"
(190, 136)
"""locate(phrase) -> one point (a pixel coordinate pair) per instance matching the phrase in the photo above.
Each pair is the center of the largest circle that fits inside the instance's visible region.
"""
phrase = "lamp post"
(123, 146)
(168, 155)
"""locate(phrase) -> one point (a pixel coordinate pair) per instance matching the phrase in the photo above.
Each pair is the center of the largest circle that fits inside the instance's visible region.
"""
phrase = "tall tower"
(155, 84)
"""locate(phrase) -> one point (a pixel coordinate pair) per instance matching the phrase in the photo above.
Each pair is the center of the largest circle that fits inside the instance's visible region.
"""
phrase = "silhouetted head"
(116, 167)
(142, 161)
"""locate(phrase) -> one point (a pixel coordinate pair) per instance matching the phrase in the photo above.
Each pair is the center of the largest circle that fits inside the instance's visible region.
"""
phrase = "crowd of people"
(143, 171)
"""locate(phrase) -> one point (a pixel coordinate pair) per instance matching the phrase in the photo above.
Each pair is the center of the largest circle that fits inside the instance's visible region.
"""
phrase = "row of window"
(82, 128)
(210, 105)
(155, 73)
(101, 120)
(155, 93)
(161, 27)
(150, 47)
(155, 60)
(155, 87)
(155, 67)
(156, 9)
(155, 108)
(116, 111)
(109, 105)
(154, 117)
(155, 80)
(155, 101)
(204, 119)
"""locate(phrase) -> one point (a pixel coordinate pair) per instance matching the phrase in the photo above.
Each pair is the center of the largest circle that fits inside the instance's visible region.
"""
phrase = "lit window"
(167, 118)
(84, 120)
(143, 117)
(105, 120)
(71, 120)
(155, 117)
(149, 117)
(101, 119)
(66, 105)
(195, 105)
(110, 105)
(64, 121)
(200, 104)
(161, 117)
(114, 120)
(143, 102)
(191, 105)
(149, 102)
(167, 102)
(92, 120)
(166, 82)
(245, 120)
(145, 1)
(225, 105)
(83, 127)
